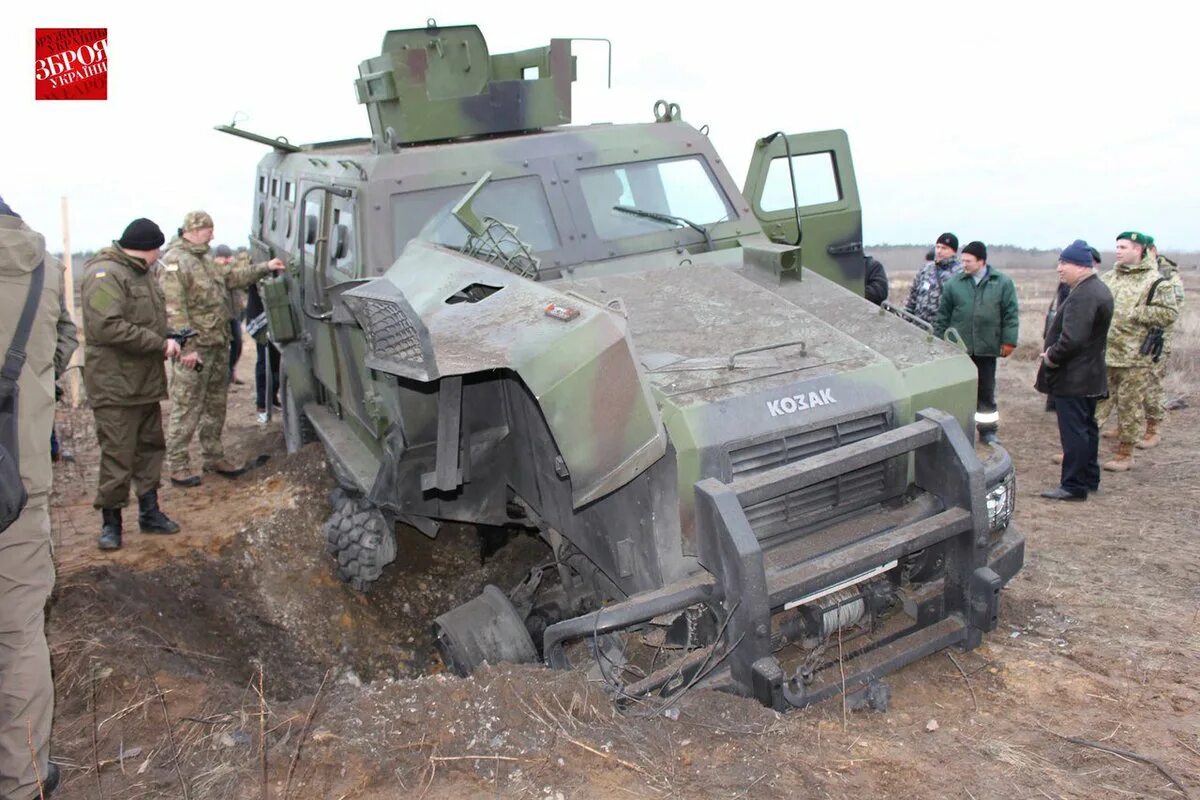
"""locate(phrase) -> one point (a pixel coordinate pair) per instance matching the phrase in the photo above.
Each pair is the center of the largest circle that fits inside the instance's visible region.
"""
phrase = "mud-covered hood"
(706, 332)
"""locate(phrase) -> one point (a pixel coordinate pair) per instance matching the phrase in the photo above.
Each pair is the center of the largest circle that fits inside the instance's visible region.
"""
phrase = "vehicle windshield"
(521, 202)
(679, 187)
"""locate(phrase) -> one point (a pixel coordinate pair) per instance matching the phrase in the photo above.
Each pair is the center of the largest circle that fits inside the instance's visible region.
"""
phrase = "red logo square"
(70, 64)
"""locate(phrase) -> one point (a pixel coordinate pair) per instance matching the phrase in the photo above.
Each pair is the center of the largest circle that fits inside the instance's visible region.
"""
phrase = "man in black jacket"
(876, 283)
(1073, 371)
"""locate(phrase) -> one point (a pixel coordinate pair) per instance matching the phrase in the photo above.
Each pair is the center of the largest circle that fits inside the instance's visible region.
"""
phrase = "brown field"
(158, 650)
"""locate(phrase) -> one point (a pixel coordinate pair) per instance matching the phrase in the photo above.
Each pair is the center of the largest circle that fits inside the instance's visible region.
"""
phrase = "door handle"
(844, 249)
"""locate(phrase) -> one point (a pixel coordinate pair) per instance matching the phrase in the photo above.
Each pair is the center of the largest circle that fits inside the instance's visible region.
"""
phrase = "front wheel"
(362, 540)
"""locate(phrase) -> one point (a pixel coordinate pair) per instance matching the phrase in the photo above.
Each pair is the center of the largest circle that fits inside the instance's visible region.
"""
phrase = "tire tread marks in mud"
(360, 537)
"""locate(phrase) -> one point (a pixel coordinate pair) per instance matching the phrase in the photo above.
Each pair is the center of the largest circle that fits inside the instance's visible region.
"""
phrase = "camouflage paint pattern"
(440, 83)
(604, 381)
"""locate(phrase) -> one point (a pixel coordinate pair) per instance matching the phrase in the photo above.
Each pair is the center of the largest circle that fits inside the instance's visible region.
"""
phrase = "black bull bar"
(749, 583)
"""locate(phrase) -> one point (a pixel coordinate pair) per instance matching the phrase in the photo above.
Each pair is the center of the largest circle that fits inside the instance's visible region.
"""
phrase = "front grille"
(390, 335)
(754, 458)
(812, 504)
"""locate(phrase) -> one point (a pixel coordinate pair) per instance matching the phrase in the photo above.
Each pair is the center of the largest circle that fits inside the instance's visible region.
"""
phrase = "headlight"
(1001, 502)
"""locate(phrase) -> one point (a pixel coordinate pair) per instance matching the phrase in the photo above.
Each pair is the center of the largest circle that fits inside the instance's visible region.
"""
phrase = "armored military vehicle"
(493, 317)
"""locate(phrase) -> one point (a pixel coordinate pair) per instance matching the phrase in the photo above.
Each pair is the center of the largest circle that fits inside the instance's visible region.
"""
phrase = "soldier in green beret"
(1140, 307)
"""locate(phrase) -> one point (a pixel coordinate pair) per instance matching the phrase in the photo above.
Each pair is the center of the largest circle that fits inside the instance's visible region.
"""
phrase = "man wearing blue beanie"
(1073, 371)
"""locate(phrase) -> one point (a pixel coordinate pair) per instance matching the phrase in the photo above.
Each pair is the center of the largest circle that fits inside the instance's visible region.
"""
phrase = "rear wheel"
(297, 430)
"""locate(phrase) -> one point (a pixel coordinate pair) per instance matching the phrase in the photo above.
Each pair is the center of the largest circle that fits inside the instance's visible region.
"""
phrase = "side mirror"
(310, 229)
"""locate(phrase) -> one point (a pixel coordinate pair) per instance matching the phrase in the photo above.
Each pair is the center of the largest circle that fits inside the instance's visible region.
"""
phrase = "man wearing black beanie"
(925, 295)
(125, 328)
(1072, 370)
(980, 303)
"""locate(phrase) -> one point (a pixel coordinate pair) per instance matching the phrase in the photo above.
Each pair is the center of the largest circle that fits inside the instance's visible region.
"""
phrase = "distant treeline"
(910, 257)
(907, 257)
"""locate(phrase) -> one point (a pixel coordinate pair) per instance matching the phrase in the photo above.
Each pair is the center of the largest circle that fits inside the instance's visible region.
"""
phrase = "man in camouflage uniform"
(1155, 400)
(197, 293)
(1137, 310)
(125, 337)
(925, 295)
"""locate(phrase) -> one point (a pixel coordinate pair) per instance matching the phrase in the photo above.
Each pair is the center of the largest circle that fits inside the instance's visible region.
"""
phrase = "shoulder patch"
(100, 273)
(101, 300)
(172, 267)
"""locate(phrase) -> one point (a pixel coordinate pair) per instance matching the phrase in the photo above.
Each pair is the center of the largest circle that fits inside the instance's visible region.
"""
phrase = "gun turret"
(438, 83)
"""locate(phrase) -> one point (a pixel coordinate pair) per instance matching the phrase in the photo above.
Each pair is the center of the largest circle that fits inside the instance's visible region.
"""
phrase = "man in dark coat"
(1073, 371)
(876, 289)
(980, 303)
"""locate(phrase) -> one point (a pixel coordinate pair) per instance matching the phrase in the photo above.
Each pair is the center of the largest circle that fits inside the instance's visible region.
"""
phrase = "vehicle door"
(819, 193)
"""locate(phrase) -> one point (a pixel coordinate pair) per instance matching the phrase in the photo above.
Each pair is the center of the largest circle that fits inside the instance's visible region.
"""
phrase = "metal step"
(348, 454)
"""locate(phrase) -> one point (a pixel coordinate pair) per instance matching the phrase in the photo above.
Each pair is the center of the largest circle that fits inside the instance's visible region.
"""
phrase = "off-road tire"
(362, 540)
(297, 430)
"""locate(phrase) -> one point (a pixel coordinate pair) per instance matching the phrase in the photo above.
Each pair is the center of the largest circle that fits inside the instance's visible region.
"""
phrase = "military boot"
(225, 468)
(1152, 438)
(110, 532)
(184, 479)
(1123, 460)
(151, 519)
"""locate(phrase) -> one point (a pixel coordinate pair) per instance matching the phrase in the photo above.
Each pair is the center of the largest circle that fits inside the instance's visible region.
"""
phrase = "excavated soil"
(159, 651)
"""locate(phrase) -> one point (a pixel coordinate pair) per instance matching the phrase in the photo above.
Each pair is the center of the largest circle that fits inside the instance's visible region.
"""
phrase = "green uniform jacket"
(1132, 317)
(124, 329)
(21, 250)
(985, 316)
(197, 291)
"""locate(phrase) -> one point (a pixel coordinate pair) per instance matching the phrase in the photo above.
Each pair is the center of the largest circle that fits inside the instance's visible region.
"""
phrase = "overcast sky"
(1024, 123)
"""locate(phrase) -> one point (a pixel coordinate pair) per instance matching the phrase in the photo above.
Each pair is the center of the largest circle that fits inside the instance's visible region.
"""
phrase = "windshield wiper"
(668, 220)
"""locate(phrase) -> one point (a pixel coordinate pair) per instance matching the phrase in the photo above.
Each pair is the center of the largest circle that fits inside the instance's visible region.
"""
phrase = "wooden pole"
(69, 301)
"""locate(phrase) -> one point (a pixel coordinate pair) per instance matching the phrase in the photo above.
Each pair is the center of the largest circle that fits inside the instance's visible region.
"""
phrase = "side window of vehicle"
(816, 182)
(343, 255)
(310, 228)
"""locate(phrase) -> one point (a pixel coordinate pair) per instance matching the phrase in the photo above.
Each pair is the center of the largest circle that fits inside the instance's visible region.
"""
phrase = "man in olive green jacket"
(26, 566)
(980, 304)
(197, 291)
(125, 332)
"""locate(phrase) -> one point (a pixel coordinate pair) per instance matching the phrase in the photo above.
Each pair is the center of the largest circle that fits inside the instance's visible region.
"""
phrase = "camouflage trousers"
(1127, 388)
(1156, 400)
(198, 400)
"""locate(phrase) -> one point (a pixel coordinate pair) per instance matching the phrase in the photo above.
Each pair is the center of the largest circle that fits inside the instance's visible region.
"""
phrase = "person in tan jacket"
(125, 333)
(26, 566)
